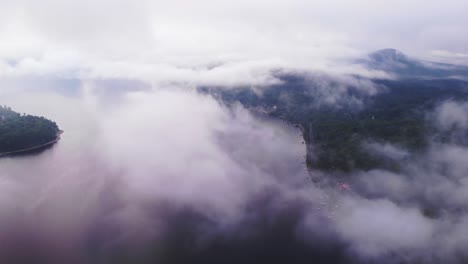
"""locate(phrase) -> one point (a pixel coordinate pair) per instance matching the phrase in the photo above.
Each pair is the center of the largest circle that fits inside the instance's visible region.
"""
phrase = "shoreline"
(23, 151)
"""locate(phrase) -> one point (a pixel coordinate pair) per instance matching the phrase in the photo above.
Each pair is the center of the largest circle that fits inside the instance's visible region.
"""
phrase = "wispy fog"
(131, 165)
(219, 42)
(149, 170)
(173, 176)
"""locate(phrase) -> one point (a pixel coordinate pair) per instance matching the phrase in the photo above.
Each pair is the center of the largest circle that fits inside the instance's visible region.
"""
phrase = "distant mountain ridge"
(388, 56)
(400, 65)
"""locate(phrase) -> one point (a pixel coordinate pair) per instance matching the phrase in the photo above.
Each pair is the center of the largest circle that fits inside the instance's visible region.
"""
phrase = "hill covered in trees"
(21, 131)
(341, 116)
(337, 133)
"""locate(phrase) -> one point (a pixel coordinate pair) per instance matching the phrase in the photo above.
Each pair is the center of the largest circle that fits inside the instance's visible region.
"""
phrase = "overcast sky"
(131, 151)
(110, 38)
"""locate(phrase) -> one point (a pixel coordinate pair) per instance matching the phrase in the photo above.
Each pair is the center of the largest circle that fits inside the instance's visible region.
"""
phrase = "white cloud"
(379, 227)
(119, 158)
(52, 36)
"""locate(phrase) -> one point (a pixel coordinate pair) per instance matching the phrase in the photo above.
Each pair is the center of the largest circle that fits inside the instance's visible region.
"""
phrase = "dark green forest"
(335, 134)
(21, 131)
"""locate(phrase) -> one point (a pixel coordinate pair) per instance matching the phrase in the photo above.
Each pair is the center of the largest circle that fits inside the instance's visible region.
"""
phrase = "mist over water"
(149, 170)
(169, 175)
(132, 175)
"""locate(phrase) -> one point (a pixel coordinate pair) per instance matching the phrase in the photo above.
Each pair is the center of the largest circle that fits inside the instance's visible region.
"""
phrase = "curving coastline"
(39, 147)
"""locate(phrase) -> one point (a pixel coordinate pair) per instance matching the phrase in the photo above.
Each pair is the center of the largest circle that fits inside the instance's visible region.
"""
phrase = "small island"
(22, 133)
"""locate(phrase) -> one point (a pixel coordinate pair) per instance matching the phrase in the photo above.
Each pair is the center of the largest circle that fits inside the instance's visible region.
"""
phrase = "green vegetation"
(19, 132)
(336, 133)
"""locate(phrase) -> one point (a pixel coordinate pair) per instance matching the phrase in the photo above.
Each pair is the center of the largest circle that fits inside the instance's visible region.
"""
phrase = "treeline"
(20, 131)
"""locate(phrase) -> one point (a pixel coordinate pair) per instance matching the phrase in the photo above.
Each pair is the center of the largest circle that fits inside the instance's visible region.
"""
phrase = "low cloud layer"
(132, 165)
(173, 176)
(151, 171)
(218, 42)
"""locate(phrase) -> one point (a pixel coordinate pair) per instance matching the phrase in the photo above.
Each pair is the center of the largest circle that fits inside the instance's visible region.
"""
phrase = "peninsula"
(21, 133)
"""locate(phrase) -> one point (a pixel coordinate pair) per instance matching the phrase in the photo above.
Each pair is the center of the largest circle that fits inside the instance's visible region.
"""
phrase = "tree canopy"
(21, 131)
(395, 115)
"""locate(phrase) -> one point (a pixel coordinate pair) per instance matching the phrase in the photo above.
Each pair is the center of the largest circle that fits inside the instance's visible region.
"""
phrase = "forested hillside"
(337, 133)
